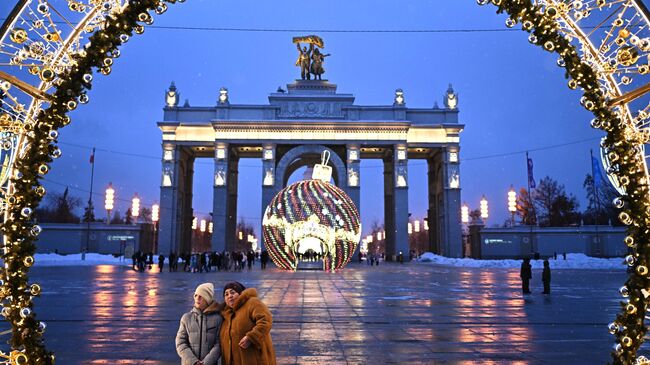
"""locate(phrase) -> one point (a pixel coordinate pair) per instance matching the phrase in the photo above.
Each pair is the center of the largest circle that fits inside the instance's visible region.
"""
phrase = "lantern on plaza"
(312, 215)
(464, 214)
(155, 213)
(484, 208)
(135, 207)
(109, 200)
(512, 203)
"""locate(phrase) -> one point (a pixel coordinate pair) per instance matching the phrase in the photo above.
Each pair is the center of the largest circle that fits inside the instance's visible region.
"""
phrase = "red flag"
(92, 156)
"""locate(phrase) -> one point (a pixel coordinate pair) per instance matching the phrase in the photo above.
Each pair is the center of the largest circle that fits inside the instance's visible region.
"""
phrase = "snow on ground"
(573, 261)
(53, 259)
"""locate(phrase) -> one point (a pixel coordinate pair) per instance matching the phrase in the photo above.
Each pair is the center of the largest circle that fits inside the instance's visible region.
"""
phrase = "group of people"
(142, 261)
(202, 262)
(371, 259)
(237, 331)
(526, 273)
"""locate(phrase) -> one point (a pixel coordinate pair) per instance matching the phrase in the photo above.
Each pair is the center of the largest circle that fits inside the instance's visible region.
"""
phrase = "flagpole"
(593, 184)
(532, 204)
(90, 202)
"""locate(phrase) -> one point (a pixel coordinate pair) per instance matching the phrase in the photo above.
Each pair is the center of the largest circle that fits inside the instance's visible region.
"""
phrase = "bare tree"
(525, 208)
(600, 209)
(60, 208)
(553, 206)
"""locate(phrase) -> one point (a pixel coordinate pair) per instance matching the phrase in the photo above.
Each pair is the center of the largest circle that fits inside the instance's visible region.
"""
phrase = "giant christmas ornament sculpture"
(311, 215)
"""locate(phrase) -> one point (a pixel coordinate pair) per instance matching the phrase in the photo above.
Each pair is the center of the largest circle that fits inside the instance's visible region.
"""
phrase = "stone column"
(389, 207)
(269, 182)
(175, 200)
(187, 213)
(231, 204)
(433, 212)
(453, 234)
(353, 185)
(224, 206)
(396, 203)
(401, 201)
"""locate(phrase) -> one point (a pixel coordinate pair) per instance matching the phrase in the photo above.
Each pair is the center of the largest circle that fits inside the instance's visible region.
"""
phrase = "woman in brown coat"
(246, 329)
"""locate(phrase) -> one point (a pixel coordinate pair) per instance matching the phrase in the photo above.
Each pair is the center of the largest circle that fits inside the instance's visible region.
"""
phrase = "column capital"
(400, 159)
(221, 159)
(353, 153)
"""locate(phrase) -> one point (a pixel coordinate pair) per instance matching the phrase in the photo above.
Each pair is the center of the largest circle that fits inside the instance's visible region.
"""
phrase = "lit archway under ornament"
(311, 214)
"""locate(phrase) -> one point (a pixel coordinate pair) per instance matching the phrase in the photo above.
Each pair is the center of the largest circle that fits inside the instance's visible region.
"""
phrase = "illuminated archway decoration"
(49, 50)
(604, 46)
(51, 68)
(311, 214)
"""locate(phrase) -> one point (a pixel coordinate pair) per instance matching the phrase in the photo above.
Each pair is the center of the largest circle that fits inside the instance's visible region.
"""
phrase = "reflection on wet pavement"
(393, 314)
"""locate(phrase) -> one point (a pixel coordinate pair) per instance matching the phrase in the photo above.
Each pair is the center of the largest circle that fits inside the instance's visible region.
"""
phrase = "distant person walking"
(250, 259)
(172, 260)
(526, 273)
(546, 277)
(264, 259)
(161, 262)
(197, 341)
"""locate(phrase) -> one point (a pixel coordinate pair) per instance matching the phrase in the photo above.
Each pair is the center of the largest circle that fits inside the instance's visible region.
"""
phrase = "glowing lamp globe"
(311, 215)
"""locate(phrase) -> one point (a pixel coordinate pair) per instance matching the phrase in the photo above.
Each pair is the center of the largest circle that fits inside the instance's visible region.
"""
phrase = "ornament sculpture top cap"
(322, 171)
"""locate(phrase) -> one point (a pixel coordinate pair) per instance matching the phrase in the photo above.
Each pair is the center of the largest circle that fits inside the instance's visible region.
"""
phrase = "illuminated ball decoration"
(311, 214)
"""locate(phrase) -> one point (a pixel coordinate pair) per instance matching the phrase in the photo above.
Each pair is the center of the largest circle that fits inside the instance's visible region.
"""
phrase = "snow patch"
(53, 259)
(573, 261)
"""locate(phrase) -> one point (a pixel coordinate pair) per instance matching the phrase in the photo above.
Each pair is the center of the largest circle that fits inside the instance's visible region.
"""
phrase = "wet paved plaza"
(392, 314)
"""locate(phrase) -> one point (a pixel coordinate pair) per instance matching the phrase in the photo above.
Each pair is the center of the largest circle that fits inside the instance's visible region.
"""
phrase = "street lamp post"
(512, 203)
(108, 201)
(195, 223)
(155, 216)
(464, 218)
(202, 228)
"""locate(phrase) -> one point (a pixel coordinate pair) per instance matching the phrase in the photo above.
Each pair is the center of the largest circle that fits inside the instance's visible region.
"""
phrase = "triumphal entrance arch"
(292, 131)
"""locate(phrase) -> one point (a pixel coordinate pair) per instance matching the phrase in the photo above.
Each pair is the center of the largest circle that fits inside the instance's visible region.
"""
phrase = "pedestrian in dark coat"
(264, 259)
(250, 259)
(526, 273)
(197, 339)
(219, 261)
(172, 260)
(546, 277)
(161, 262)
(246, 331)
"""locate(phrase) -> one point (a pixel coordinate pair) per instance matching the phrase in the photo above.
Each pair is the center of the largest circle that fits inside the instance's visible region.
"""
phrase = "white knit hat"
(206, 290)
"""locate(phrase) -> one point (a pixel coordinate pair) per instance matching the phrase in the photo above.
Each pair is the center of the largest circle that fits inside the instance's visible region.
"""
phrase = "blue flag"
(597, 172)
(531, 179)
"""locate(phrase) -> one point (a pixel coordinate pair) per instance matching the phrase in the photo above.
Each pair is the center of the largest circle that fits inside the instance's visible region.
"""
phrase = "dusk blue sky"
(512, 96)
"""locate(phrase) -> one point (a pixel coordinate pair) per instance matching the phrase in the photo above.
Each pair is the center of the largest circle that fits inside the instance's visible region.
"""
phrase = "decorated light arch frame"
(47, 58)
